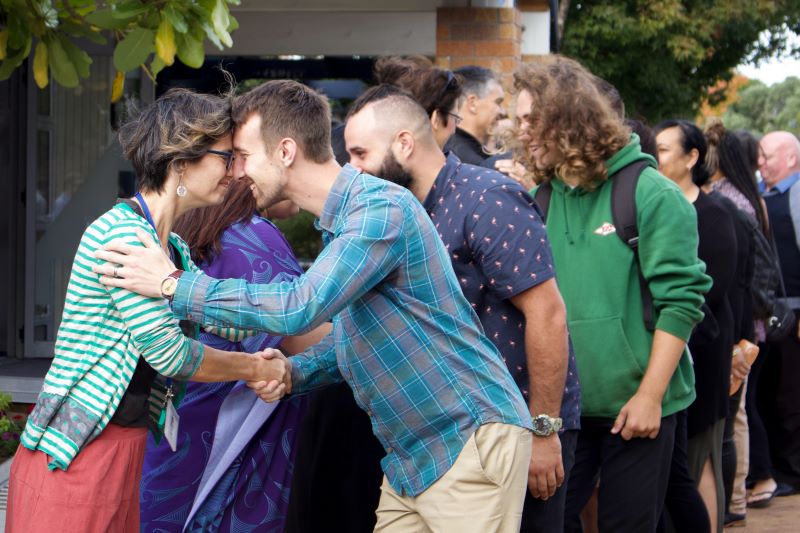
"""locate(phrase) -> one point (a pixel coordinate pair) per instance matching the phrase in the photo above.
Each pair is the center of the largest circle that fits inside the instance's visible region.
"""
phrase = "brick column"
(486, 37)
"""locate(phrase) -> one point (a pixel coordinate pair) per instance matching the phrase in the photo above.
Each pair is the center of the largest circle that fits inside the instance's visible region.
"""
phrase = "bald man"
(498, 246)
(779, 395)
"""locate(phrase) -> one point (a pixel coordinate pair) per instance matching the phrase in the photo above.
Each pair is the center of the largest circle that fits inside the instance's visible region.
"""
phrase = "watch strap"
(176, 275)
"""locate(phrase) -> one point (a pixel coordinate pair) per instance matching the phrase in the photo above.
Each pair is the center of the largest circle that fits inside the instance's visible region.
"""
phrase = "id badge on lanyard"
(172, 419)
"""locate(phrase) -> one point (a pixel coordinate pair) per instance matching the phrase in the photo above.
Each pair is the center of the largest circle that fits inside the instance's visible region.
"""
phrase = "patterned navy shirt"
(497, 242)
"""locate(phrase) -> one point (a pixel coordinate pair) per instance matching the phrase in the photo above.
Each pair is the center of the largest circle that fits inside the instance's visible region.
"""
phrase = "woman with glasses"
(121, 359)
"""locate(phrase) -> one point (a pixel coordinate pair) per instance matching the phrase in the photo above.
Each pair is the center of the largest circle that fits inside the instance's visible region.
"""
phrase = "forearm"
(298, 343)
(316, 367)
(547, 349)
(546, 345)
(286, 308)
(218, 365)
(665, 355)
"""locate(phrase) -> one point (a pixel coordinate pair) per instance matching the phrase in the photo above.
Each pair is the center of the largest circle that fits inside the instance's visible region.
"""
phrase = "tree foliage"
(762, 109)
(665, 55)
(149, 34)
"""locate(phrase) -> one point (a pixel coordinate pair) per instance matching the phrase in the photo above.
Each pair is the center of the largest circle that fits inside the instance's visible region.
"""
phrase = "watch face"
(168, 286)
(541, 424)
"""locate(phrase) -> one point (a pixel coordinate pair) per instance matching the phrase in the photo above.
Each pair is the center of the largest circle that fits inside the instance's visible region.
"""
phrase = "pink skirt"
(99, 492)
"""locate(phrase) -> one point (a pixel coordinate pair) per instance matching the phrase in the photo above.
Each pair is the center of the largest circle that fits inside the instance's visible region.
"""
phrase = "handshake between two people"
(274, 375)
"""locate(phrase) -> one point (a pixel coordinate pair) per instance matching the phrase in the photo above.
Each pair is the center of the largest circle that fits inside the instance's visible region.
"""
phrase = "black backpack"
(623, 212)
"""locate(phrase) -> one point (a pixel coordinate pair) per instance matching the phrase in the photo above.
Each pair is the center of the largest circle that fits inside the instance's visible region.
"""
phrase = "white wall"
(333, 33)
(339, 27)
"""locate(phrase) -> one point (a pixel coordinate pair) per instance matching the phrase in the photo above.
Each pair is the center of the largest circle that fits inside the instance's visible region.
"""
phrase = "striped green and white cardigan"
(103, 333)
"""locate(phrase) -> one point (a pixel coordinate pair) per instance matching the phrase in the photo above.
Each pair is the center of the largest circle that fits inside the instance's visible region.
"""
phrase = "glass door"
(73, 164)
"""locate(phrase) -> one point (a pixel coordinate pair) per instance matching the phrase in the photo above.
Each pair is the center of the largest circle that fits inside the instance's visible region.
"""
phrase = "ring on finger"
(115, 272)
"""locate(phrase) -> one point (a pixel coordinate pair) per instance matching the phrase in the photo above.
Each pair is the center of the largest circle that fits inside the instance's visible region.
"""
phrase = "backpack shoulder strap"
(623, 202)
(623, 212)
(542, 197)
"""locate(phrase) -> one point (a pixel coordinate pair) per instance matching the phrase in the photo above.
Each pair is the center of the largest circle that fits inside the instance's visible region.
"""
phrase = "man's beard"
(392, 171)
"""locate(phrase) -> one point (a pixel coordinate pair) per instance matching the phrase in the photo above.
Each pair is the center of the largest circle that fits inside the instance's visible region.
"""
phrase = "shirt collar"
(782, 186)
(334, 204)
(469, 138)
(447, 173)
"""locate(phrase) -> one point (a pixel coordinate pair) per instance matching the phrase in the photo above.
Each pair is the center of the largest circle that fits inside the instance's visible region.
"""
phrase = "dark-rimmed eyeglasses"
(229, 157)
(457, 118)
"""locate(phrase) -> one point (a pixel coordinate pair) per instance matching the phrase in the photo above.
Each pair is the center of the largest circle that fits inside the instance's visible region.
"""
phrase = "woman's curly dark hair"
(569, 111)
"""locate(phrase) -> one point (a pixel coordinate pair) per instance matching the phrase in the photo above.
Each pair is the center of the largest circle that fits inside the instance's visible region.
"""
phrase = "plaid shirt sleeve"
(316, 367)
(367, 249)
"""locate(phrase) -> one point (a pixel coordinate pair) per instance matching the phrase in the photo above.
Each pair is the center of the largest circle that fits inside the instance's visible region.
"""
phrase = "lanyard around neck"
(146, 211)
(149, 218)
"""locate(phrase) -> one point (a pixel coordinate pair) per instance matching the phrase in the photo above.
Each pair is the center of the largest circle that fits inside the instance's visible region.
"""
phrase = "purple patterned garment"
(253, 493)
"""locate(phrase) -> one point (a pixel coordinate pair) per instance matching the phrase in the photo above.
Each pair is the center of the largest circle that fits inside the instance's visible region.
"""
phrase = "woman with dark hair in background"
(681, 157)
(437, 90)
(235, 454)
(742, 162)
(733, 181)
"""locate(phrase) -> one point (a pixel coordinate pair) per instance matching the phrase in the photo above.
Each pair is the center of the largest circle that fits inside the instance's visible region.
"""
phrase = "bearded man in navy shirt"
(498, 246)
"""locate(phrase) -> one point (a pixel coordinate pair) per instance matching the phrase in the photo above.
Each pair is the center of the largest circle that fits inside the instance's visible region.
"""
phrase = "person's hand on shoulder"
(139, 269)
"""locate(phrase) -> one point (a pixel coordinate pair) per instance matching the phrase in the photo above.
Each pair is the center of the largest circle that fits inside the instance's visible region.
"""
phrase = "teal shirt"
(404, 337)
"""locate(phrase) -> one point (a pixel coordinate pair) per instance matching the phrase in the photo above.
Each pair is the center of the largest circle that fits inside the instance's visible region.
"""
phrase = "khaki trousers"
(483, 492)
(741, 439)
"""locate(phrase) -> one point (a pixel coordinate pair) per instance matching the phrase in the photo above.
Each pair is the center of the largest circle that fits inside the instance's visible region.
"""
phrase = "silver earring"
(181, 190)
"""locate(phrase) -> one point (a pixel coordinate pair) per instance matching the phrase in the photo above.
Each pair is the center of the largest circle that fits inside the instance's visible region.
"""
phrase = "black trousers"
(633, 477)
(337, 471)
(547, 516)
(760, 460)
(779, 404)
(729, 451)
(683, 503)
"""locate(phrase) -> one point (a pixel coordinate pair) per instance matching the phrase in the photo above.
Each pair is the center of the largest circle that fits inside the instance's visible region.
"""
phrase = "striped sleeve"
(154, 329)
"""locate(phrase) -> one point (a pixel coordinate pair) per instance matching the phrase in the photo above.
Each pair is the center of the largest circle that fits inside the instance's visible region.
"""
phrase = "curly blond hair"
(571, 112)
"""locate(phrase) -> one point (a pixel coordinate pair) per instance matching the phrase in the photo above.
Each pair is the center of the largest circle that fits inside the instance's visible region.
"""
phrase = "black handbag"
(768, 292)
(782, 322)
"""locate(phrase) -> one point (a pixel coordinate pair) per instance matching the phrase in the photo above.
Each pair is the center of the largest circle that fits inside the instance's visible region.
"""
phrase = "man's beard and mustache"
(392, 171)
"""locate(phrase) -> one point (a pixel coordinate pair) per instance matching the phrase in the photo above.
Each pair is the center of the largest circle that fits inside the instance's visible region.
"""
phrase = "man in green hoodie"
(634, 380)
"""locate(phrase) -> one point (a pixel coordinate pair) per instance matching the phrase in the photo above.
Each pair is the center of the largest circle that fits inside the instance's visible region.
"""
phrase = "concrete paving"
(783, 516)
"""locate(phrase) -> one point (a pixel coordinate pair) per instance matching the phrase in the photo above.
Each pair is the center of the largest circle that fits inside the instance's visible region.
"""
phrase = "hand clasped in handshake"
(275, 376)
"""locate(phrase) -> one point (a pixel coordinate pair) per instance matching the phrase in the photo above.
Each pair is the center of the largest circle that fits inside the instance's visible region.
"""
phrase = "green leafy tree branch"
(148, 34)
(665, 56)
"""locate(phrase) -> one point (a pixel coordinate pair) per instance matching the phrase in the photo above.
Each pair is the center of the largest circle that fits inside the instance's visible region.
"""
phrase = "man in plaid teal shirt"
(442, 403)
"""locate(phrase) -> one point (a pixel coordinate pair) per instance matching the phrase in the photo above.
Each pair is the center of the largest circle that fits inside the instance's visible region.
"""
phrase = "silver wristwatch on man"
(544, 425)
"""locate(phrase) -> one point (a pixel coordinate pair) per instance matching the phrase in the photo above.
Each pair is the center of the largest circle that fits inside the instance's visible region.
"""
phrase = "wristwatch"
(544, 425)
(170, 284)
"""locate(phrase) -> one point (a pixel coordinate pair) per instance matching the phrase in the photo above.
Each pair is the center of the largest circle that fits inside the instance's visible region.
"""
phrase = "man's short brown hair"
(289, 109)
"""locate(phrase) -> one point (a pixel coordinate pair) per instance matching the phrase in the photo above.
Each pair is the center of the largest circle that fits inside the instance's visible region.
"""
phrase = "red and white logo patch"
(606, 229)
